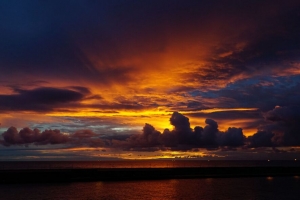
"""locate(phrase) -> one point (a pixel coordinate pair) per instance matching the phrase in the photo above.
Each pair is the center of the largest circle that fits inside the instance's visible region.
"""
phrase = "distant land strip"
(123, 174)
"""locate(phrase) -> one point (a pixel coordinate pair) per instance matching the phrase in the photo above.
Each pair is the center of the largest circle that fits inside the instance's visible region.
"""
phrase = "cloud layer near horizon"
(282, 130)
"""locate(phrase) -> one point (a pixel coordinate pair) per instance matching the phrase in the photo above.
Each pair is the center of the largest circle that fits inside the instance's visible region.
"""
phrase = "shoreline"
(124, 174)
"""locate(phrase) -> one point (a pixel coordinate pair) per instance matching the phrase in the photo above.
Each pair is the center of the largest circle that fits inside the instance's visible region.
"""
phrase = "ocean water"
(177, 189)
(254, 188)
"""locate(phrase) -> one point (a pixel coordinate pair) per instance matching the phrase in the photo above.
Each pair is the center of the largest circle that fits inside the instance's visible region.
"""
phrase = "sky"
(151, 79)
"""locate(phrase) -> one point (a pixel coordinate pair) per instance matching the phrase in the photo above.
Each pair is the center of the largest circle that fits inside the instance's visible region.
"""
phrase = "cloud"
(182, 128)
(287, 115)
(210, 132)
(284, 124)
(169, 138)
(27, 136)
(182, 137)
(51, 137)
(85, 137)
(149, 138)
(232, 137)
(41, 99)
(282, 128)
(261, 139)
(257, 50)
(262, 92)
(11, 136)
(83, 134)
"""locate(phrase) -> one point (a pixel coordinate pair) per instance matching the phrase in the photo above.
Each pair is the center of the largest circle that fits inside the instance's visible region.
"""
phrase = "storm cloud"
(183, 137)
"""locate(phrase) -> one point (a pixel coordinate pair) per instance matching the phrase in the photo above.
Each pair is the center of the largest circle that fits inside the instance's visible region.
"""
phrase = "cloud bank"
(282, 129)
(27, 136)
(183, 136)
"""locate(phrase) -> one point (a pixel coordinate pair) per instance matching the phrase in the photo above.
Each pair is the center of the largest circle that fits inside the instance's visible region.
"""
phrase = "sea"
(203, 188)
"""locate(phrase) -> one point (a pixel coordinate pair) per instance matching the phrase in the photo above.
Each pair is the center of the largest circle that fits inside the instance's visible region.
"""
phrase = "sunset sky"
(84, 79)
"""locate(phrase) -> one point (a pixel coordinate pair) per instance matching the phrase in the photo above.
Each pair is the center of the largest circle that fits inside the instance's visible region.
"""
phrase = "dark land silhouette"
(123, 174)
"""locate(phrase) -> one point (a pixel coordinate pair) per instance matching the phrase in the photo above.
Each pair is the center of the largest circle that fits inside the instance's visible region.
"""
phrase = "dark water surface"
(205, 188)
(209, 188)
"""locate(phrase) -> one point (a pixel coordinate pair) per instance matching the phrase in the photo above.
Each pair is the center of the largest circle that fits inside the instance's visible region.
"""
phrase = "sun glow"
(156, 112)
(159, 118)
(133, 155)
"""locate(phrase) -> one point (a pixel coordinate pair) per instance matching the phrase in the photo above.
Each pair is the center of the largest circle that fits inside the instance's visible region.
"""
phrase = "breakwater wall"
(123, 174)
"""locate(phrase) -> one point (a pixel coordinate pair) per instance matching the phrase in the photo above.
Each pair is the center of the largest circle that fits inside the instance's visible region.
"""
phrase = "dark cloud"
(285, 125)
(182, 137)
(41, 99)
(50, 95)
(11, 136)
(282, 128)
(268, 44)
(51, 137)
(169, 138)
(287, 115)
(27, 136)
(232, 137)
(181, 127)
(149, 138)
(261, 139)
(263, 92)
(84, 134)
(180, 122)
(210, 132)
(85, 137)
